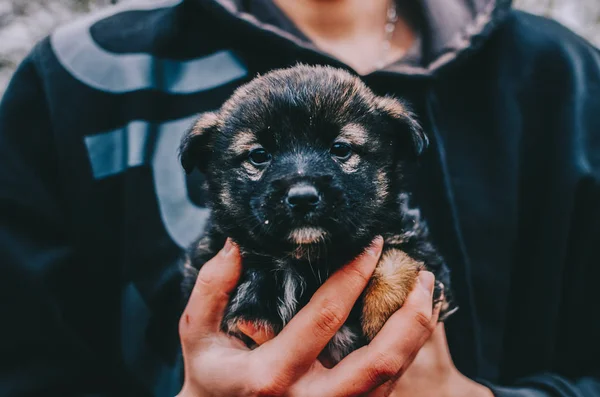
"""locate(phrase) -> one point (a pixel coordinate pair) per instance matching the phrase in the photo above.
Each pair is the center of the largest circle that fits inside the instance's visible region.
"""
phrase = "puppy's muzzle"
(303, 197)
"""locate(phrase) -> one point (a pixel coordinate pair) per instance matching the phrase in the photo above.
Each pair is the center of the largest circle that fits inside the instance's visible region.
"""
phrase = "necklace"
(390, 27)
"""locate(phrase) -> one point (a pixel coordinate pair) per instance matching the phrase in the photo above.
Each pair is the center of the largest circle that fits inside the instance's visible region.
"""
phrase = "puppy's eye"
(341, 150)
(259, 156)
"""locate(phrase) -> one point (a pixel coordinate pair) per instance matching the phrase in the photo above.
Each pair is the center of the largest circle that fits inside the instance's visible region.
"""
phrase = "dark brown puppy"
(304, 167)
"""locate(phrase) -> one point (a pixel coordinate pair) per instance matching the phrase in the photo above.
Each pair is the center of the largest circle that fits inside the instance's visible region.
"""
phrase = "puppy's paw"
(393, 279)
(253, 332)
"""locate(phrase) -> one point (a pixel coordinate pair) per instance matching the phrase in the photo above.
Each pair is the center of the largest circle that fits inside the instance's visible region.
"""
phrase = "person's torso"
(123, 98)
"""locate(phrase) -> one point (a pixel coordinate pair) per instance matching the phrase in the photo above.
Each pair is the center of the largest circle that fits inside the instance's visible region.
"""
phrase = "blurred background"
(24, 22)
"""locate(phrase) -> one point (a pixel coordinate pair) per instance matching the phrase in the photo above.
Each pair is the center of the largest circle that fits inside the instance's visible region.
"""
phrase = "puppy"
(304, 167)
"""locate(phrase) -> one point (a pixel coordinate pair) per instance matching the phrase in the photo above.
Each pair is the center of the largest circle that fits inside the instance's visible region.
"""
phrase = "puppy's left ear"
(402, 116)
(195, 149)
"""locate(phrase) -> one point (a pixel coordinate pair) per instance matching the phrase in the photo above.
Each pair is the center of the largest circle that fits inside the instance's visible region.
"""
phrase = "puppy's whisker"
(311, 267)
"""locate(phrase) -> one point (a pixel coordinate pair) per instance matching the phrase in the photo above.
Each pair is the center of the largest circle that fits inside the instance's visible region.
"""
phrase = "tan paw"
(392, 281)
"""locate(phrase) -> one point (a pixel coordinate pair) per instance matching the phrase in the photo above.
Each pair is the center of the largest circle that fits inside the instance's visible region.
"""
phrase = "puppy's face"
(302, 156)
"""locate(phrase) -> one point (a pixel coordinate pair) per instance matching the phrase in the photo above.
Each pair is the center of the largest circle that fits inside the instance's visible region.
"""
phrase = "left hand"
(432, 373)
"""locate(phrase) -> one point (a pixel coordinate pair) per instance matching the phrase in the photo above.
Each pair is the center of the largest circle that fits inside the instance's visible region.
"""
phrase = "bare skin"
(349, 30)
(432, 373)
(288, 364)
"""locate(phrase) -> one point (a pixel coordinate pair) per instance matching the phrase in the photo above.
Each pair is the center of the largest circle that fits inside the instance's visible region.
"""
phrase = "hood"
(448, 29)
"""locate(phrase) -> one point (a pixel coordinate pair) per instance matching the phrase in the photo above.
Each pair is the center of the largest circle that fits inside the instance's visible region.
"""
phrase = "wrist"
(465, 387)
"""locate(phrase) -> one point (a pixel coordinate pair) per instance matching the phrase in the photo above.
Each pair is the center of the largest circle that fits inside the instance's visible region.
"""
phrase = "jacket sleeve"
(549, 385)
(576, 370)
(42, 353)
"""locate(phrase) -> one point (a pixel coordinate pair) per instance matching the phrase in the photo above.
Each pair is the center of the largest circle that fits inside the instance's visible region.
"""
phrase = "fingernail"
(375, 248)
(426, 281)
(228, 247)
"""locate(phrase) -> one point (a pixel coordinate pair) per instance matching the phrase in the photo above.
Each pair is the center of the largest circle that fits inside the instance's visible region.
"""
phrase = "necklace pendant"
(391, 13)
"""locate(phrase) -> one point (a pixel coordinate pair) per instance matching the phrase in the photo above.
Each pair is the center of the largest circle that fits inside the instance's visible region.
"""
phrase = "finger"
(216, 280)
(298, 345)
(428, 358)
(259, 335)
(393, 348)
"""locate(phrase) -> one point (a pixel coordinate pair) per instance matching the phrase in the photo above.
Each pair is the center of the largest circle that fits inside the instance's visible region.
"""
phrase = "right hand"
(220, 365)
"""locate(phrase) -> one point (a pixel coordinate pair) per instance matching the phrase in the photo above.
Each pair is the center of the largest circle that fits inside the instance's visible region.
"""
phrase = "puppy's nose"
(303, 196)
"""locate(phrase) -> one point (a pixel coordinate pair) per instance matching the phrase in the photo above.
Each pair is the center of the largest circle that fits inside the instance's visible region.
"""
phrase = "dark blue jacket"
(94, 208)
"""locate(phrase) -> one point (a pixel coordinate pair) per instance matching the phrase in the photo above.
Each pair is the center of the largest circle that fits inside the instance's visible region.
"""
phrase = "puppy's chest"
(275, 289)
(271, 295)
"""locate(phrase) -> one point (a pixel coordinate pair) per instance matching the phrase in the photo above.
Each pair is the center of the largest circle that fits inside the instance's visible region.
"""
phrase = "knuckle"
(329, 319)
(356, 275)
(423, 320)
(384, 368)
(206, 278)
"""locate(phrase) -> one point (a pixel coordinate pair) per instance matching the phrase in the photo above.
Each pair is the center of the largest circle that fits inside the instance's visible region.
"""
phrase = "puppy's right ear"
(195, 148)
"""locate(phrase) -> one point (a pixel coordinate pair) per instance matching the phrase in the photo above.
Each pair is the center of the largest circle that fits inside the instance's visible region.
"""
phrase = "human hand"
(220, 365)
(433, 373)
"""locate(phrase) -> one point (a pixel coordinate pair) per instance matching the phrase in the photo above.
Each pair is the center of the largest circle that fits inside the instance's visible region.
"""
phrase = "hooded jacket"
(95, 209)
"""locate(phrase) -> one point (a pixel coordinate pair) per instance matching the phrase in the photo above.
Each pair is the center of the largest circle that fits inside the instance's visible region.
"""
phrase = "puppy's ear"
(405, 120)
(195, 148)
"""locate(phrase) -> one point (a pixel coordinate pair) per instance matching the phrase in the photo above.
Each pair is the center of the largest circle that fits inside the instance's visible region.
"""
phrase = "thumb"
(216, 280)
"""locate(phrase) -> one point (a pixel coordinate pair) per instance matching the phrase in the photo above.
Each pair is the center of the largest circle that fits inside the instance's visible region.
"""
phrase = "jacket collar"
(450, 28)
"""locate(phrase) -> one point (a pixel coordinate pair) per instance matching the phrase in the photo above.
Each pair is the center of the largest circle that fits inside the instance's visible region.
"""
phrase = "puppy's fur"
(319, 137)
